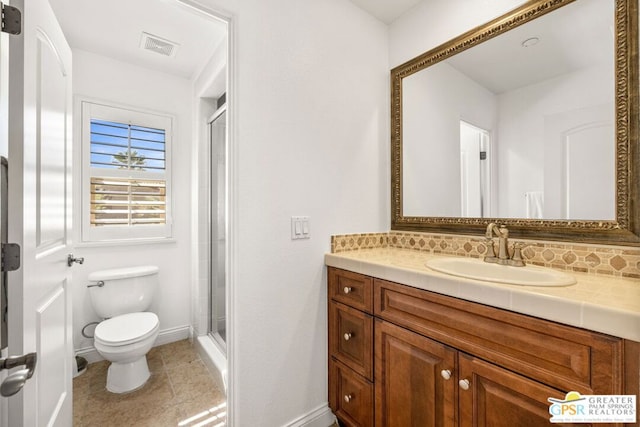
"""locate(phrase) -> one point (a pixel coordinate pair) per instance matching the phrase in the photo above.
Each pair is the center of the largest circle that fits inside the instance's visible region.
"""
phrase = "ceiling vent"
(158, 45)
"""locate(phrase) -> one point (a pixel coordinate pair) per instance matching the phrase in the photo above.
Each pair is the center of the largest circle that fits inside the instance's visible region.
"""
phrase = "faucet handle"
(491, 251)
(520, 245)
(516, 258)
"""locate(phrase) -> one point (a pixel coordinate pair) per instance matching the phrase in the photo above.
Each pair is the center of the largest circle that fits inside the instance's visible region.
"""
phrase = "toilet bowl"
(125, 341)
(120, 296)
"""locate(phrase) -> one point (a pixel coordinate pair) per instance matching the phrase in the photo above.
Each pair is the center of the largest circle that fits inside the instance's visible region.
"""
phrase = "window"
(126, 174)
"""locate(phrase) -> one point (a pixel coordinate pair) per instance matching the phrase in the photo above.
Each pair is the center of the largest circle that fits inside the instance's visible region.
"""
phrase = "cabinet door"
(350, 396)
(411, 384)
(351, 338)
(352, 289)
(496, 397)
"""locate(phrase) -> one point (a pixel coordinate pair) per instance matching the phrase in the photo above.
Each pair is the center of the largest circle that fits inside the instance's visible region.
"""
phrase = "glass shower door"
(218, 227)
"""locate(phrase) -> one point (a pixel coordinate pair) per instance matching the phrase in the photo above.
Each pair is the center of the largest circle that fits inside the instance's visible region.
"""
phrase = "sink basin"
(473, 268)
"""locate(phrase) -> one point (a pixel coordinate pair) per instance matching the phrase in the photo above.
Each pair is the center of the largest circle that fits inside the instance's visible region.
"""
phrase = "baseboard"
(319, 417)
(168, 336)
(164, 337)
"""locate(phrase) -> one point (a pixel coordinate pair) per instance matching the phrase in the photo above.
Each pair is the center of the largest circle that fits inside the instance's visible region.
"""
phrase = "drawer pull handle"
(464, 384)
(347, 289)
(446, 374)
(348, 336)
(347, 398)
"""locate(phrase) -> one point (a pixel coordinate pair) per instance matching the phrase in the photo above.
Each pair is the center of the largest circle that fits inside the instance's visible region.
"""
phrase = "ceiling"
(386, 11)
(574, 37)
(114, 28)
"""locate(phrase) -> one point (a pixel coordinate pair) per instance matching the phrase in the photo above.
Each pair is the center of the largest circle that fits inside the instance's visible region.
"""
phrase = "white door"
(474, 171)
(40, 105)
(580, 155)
(4, 147)
(589, 190)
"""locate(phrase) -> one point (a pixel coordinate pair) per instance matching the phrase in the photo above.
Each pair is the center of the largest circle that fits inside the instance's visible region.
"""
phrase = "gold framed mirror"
(567, 198)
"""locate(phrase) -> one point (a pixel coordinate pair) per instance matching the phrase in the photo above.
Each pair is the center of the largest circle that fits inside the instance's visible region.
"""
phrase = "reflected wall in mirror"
(529, 120)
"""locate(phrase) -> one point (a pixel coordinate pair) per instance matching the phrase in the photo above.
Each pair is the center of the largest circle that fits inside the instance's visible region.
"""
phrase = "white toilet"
(120, 296)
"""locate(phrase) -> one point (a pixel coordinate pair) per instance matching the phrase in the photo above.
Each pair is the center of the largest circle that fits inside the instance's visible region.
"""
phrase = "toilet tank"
(124, 290)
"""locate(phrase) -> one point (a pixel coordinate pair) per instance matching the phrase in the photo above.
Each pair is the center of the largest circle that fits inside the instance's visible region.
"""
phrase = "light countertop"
(604, 304)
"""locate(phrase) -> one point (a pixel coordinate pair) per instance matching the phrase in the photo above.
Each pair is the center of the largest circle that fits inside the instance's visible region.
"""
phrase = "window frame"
(91, 109)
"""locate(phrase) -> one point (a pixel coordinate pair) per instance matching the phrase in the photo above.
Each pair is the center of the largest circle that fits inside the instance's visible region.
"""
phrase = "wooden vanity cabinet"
(560, 356)
(442, 361)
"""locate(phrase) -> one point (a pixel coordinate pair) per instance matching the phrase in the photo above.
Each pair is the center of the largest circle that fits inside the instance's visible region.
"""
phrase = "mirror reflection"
(520, 126)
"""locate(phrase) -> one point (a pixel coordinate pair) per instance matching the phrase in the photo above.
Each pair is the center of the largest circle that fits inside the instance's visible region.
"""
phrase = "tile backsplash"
(619, 261)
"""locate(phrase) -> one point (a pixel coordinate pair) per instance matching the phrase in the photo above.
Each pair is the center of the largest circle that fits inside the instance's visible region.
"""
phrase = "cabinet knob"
(464, 384)
(446, 374)
(348, 336)
(347, 398)
(347, 289)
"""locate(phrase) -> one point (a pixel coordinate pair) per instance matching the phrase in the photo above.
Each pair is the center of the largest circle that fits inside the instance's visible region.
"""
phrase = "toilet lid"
(126, 328)
(123, 273)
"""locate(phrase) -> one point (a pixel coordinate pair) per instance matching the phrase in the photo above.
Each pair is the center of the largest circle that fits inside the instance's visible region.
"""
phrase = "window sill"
(126, 242)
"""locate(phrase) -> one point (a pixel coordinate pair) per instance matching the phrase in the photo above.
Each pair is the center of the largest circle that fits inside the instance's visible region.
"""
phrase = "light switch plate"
(300, 228)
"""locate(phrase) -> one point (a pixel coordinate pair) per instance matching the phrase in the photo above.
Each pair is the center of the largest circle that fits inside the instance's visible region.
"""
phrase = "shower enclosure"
(218, 225)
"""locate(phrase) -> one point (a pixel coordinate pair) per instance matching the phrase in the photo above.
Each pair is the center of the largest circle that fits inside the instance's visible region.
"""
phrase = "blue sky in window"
(110, 138)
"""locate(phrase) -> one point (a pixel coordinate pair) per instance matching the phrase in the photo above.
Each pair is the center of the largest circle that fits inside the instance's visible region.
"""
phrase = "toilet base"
(126, 377)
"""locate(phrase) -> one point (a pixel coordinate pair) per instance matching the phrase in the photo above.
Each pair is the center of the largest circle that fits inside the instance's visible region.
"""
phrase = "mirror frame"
(625, 229)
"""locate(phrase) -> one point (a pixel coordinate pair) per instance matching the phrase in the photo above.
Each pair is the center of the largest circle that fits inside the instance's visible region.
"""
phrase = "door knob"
(71, 259)
(464, 384)
(15, 381)
(446, 374)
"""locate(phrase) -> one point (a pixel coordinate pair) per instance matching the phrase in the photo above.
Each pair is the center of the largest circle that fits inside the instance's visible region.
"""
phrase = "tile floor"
(180, 392)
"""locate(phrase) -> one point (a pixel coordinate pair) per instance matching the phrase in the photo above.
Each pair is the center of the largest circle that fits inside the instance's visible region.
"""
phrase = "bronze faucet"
(503, 257)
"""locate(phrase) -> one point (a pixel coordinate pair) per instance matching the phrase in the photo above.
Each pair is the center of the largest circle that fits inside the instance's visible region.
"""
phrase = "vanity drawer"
(352, 289)
(562, 356)
(351, 338)
(351, 397)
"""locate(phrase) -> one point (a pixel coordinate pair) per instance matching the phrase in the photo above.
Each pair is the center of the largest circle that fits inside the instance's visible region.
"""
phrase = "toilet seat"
(126, 329)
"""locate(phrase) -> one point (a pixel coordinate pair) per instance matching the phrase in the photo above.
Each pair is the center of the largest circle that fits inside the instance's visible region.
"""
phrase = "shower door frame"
(214, 333)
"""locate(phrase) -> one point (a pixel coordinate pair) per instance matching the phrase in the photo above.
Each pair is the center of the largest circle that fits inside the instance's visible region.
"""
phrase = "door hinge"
(10, 256)
(483, 155)
(11, 19)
